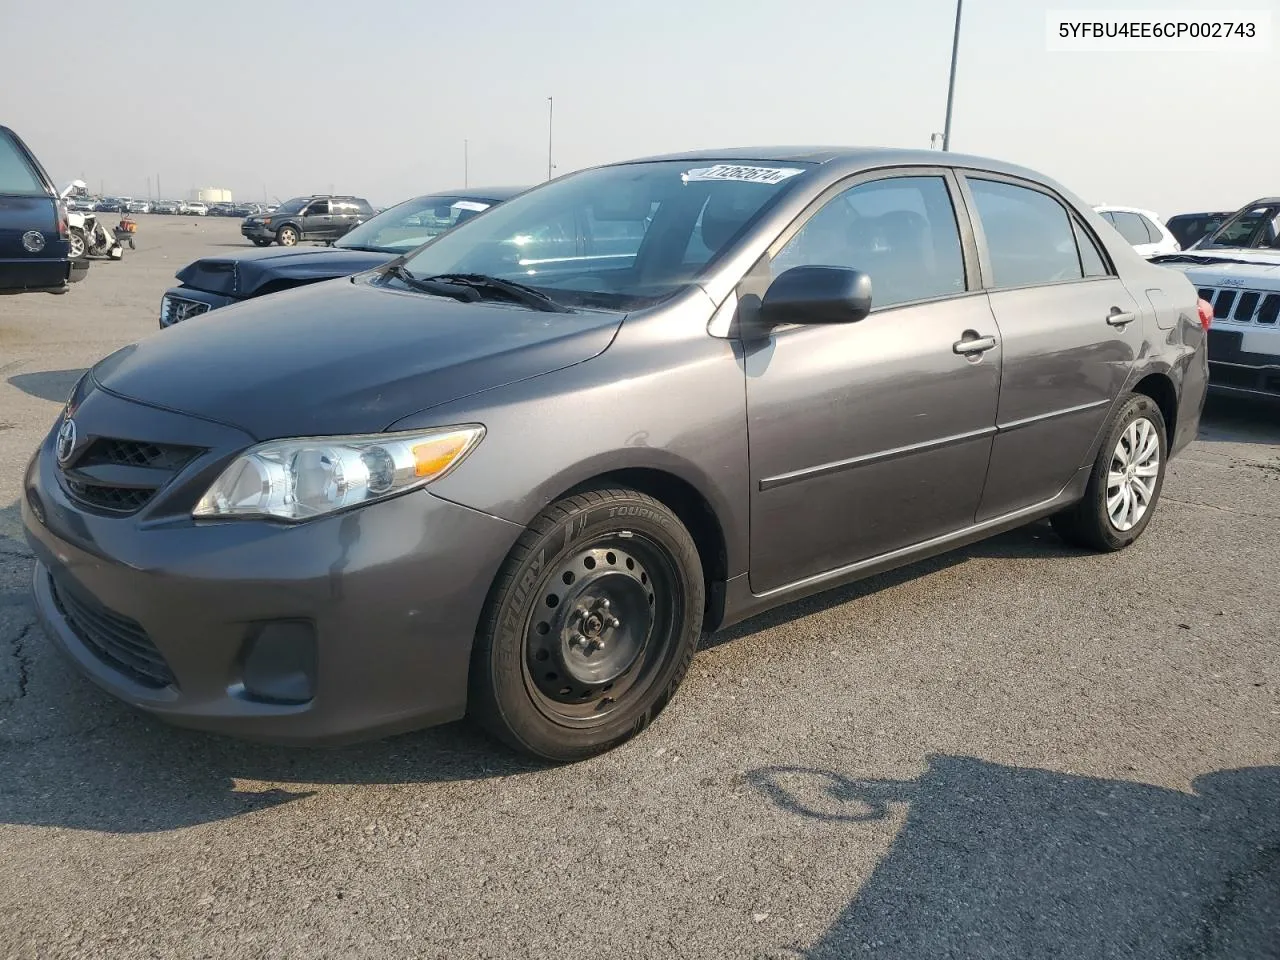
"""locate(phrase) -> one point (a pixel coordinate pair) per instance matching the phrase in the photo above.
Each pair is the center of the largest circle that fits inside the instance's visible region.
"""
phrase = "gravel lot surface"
(1016, 751)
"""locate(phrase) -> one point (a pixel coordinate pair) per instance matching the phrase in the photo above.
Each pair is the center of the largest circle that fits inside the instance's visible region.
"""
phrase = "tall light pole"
(951, 86)
(465, 164)
(551, 106)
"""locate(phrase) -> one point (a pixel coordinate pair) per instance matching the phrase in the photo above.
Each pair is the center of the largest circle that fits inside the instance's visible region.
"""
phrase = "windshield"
(618, 236)
(1253, 227)
(292, 206)
(409, 225)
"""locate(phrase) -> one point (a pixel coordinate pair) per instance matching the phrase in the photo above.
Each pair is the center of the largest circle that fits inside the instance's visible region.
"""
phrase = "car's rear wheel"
(590, 626)
(1125, 483)
(287, 236)
(79, 247)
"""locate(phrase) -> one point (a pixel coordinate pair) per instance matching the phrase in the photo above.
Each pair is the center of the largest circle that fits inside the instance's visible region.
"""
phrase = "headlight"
(265, 221)
(309, 477)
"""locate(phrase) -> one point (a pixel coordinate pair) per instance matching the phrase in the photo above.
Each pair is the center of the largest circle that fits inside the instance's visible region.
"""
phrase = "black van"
(35, 252)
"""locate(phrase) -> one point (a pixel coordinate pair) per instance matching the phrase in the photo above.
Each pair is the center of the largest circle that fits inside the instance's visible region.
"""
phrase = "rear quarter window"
(17, 177)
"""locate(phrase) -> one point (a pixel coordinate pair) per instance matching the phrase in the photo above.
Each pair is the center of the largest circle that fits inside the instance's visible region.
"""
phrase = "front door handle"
(1119, 318)
(973, 344)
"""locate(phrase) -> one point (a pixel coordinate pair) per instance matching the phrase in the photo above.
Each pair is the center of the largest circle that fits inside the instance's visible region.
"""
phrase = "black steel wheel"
(590, 626)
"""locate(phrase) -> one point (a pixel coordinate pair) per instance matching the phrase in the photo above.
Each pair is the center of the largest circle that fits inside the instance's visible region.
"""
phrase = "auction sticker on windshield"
(733, 171)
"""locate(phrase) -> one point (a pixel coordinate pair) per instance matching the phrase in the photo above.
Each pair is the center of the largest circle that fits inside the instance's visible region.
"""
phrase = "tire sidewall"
(288, 229)
(505, 650)
(1138, 406)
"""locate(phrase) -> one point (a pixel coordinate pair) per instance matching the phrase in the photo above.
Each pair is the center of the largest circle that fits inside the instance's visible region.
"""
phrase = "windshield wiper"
(432, 286)
(516, 291)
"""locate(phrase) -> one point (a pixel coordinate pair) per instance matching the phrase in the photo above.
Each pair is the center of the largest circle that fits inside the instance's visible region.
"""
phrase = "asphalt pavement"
(1018, 750)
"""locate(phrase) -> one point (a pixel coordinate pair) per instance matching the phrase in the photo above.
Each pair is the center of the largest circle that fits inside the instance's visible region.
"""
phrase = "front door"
(872, 436)
(317, 223)
(1070, 333)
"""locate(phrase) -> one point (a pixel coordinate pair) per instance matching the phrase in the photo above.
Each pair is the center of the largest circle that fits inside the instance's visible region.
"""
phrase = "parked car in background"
(510, 477)
(110, 205)
(317, 217)
(138, 206)
(195, 208)
(83, 204)
(1189, 228)
(35, 244)
(1237, 270)
(165, 207)
(1141, 228)
(222, 210)
(213, 282)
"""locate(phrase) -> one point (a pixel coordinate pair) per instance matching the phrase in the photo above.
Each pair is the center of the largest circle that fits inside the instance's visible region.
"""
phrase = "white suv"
(1237, 270)
(1144, 230)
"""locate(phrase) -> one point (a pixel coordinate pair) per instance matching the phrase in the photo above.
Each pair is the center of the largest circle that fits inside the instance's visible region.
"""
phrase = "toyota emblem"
(66, 441)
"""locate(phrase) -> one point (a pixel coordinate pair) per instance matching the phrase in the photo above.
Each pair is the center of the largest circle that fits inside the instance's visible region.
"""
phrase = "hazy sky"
(376, 98)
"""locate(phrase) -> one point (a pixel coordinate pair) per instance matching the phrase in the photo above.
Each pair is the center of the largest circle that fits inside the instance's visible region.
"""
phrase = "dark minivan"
(35, 248)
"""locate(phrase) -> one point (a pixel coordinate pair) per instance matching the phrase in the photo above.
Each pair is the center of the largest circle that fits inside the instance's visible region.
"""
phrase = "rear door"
(1070, 331)
(33, 254)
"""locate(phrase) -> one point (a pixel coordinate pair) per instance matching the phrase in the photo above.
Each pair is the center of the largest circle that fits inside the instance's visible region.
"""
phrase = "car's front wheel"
(287, 236)
(590, 626)
(1125, 483)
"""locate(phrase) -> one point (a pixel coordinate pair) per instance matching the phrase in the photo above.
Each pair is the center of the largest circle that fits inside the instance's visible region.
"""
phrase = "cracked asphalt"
(1015, 751)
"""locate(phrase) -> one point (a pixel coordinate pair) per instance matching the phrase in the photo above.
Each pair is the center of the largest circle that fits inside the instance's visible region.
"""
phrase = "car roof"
(868, 156)
(1264, 202)
(483, 193)
(1117, 209)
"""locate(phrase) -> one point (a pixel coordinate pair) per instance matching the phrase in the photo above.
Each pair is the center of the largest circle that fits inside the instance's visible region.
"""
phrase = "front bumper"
(1244, 361)
(392, 593)
(257, 231)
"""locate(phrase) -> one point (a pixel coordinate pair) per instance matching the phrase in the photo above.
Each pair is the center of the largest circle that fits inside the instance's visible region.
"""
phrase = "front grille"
(136, 453)
(176, 309)
(117, 641)
(155, 463)
(1243, 306)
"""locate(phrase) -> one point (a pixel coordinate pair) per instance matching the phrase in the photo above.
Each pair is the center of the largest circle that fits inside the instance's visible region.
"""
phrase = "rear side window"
(1132, 227)
(901, 231)
(362, 206)
(1153, 232)
(1091, 260)
(1029, 235)
(16, 176)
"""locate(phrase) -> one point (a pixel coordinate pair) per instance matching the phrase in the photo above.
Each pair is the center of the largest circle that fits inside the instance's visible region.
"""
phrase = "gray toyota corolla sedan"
(517, 472)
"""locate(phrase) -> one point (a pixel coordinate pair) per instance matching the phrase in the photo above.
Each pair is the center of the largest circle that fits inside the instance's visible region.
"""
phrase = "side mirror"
(817, 294)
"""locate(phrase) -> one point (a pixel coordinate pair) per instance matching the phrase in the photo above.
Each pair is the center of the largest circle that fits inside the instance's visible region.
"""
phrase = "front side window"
(291, 206)
(1029, 235)
(409, 225)
(318, 208)
(16, 176)
(619, 236)
(900, 231)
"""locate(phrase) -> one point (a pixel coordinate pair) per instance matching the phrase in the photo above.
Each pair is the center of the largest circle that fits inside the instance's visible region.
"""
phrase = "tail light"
(63, 232)
(1206, 313)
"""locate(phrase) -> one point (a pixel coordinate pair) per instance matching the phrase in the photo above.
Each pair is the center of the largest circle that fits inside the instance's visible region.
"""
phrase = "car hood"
(246, 273)
(1253, 269)
(346, 357)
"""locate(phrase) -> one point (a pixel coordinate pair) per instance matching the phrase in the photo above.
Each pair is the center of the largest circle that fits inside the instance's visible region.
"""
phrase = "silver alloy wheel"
(77, 244)
(1131, 477)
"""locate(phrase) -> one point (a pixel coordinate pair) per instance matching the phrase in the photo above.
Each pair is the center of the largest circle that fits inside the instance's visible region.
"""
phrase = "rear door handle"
(972, 345)
(1118, 317)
